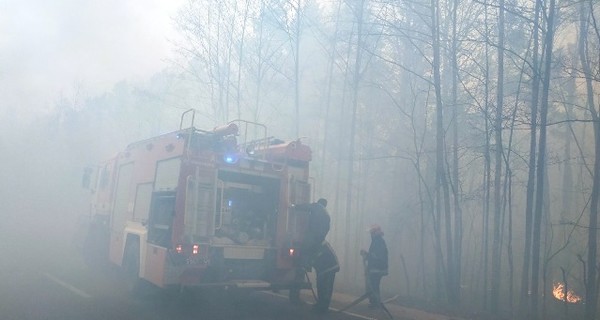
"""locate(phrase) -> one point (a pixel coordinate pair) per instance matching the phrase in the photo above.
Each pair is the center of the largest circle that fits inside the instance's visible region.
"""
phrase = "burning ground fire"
(559, 293)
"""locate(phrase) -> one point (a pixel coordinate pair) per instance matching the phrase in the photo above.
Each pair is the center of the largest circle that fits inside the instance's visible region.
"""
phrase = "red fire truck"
(195, 208)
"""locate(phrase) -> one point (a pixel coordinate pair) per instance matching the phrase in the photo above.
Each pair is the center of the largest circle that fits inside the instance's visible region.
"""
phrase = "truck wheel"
(131, 268)
(237, 295)
(294, 295)
(95, 245)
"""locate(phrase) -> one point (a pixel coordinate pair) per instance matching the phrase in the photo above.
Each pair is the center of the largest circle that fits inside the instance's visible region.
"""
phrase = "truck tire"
(95, 245)
(131, 266)
(294, 295)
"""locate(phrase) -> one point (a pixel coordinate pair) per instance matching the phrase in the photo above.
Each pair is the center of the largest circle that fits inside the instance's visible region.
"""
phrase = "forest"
(468, 129)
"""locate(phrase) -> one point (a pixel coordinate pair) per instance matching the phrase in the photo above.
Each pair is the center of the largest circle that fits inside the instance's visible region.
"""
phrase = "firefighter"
(316, 229)
(318, 253)
(326, 266)
(376, 262)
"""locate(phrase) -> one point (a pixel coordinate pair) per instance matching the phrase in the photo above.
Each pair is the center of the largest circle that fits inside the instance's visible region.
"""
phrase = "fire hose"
(367, 293)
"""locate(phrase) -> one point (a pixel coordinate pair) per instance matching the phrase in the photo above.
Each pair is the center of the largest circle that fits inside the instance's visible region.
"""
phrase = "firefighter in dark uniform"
(318, 253)
(376, 260)
(326, 265)
(317, 226)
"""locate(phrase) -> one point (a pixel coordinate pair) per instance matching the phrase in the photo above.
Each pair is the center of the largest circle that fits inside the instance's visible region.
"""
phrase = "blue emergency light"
(230, 158)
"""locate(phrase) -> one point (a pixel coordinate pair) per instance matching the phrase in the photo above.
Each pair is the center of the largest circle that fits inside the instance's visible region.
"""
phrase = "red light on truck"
(179, 248)
(195, 249)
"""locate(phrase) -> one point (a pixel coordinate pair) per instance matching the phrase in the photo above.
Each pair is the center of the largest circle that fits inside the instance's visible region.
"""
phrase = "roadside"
(341, 300)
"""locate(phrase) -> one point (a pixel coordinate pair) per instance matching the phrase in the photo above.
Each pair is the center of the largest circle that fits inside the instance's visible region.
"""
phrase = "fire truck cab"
(196, 208)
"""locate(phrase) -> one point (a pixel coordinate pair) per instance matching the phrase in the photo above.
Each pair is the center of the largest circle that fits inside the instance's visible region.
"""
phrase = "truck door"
(160, 229)
(160, 222)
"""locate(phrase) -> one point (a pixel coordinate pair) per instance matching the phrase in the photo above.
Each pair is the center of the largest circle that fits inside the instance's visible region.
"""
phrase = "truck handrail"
(193, 111)
(219, 225)
(247, 143)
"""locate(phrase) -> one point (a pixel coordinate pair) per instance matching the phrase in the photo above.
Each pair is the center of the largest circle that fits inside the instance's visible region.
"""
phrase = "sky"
(50, 47)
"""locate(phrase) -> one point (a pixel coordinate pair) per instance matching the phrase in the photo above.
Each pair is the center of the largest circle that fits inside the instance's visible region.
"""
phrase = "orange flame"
(559, 293)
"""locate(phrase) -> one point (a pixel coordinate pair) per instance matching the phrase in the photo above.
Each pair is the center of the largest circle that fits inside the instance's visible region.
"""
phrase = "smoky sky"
(51, 47)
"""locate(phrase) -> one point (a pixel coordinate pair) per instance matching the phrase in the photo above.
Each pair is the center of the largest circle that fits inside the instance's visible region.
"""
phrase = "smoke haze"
(52, 47)
(48, 50)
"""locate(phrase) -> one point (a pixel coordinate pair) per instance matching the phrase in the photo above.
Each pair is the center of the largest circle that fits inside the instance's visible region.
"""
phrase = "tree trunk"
(539, 203)
(352, 135)
(441, 178)
(297, 71)
(591, 290)
(496, 245)
(330, 79)
(455, 296)
(240, 61)
(526, 269)
(486, 169)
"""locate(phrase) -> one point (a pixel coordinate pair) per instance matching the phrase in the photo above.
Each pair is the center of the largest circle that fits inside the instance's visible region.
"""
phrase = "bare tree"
(442, 196)
(526, 270)
(591, 289)
(496, 245)
(289, 15)
(541, 163)
(454, 292)
(357, 67)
